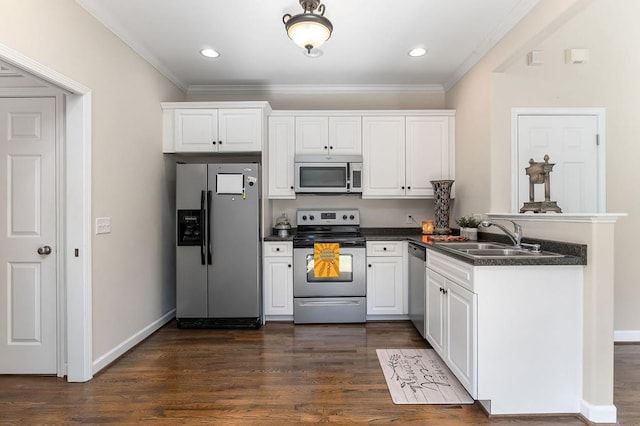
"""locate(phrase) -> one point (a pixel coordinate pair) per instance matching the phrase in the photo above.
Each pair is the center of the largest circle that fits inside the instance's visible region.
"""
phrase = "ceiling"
(368, 48)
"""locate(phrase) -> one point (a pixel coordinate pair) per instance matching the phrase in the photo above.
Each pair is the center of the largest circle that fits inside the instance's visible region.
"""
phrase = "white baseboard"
(599, 413)
(270, 318)
(626, 336)
(132, 341)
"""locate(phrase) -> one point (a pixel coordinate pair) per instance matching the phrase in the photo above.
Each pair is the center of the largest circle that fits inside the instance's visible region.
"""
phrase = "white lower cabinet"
(451, 326)
(278, 280)
(512, 335)
(386, 283)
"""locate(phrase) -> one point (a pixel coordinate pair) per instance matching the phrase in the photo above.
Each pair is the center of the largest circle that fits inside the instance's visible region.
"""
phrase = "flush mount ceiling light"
(209, 53)
(308, 30)
(418, 51)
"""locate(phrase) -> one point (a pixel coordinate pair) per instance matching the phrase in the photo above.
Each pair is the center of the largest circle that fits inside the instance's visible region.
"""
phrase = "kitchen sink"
(472, 246)
(495, 250)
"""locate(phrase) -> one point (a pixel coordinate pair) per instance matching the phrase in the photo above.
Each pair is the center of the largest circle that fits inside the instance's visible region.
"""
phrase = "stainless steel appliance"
(337, 174)
(335, 299)
(218, 245)
(417, 283)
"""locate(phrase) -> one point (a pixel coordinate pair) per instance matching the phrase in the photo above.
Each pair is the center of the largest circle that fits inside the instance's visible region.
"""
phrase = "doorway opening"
(73, 168)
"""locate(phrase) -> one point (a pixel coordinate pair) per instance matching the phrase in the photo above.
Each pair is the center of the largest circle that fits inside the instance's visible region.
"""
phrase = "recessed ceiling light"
(209, 53)
(418, 51)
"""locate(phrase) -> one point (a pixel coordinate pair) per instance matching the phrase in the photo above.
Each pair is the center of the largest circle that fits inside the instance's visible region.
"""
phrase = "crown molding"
(517, 13)
(299, 89)
(99, 13)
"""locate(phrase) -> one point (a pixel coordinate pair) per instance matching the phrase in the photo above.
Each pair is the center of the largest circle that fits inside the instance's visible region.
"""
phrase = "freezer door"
(234, 273)
(191, 273)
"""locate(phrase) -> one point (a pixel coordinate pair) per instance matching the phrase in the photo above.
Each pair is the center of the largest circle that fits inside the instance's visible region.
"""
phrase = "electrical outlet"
(408, 219)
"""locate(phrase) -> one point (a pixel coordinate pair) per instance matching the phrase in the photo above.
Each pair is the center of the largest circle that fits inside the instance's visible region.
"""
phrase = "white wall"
(133, 272)
(610, 79)
(313, 100)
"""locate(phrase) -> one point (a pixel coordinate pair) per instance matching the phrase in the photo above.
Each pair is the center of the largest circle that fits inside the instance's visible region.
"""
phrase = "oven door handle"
(330, 302)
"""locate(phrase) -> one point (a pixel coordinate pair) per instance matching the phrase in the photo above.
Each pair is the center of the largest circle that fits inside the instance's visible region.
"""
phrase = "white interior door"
(571, 141)
(28, 342)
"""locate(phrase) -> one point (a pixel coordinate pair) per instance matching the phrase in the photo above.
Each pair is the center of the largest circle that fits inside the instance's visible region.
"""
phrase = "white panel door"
(571, 143)
(27, 220)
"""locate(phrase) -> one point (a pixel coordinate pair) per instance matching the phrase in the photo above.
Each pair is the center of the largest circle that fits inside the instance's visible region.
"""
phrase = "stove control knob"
(344, 217)
(352, 217)
(311, 217)
(304, 217)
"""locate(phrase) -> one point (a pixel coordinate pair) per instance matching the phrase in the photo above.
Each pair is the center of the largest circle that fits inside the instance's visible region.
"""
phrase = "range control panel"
(328, 217)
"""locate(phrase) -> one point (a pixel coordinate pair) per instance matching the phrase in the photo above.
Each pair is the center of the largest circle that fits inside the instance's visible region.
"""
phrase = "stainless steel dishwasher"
(417, 281)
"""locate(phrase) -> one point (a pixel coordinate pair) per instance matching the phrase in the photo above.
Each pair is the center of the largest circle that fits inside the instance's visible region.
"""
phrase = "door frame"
(73, 198)
(599, 113)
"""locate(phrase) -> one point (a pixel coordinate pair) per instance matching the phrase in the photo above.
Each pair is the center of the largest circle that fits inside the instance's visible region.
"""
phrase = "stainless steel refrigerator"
(218, 264)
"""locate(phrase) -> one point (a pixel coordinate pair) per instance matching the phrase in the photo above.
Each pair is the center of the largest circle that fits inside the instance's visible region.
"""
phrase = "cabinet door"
(281, 157)
(427, 154)
(278, 286)
(384, 286)
(312, 135)
(435, 307)
(345, 135)
(383, 151)
(461, 334)
(196, 130)
(240, 130)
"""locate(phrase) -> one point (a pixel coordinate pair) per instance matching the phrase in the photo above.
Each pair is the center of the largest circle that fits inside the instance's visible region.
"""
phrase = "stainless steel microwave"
(328, 174)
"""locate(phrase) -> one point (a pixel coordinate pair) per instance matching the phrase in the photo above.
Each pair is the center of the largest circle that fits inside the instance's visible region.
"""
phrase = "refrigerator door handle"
(209, 226)
(202, 227)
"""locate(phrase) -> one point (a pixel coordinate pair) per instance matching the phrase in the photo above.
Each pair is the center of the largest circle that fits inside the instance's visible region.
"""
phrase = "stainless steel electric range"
(329, 275)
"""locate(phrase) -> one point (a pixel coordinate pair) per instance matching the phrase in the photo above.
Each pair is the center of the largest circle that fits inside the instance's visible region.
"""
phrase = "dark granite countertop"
(573, 254)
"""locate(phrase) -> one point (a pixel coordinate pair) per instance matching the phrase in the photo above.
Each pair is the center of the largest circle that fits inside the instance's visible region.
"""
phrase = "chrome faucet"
(515, 236)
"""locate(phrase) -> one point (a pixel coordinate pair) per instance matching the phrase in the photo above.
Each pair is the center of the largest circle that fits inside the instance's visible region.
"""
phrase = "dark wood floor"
(276, 375)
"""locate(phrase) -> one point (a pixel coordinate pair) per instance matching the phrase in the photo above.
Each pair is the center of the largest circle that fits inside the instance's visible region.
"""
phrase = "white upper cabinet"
(210, 127)
(428, 156)
(402, 154)
(383, 152)
(329, 135)
(281, 157)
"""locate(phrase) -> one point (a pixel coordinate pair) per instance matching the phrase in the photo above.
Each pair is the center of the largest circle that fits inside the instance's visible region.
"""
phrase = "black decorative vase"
(442, 194)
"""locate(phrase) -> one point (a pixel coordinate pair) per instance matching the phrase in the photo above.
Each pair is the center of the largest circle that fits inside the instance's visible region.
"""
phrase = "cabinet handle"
(277, 248)
(369, 265)
(291, 187)
(408, 187)
(219, 142)
(384, 248)
(330, 147)
(325, 147)
(402, 187)
(444, 291)
(289, 265)
(214, 142)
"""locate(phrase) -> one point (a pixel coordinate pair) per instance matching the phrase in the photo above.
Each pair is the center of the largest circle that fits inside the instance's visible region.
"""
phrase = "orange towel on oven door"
(326, 260)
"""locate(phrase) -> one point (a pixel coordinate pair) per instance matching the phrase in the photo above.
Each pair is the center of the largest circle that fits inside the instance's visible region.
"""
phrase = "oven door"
(351, 280)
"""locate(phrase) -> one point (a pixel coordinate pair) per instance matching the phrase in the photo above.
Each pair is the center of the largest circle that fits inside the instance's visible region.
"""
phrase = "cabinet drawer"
(278, 249)
(453, 269)
(384, 248)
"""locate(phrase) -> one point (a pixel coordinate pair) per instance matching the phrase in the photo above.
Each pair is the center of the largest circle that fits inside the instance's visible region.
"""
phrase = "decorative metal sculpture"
(539, 173)
(442, 194)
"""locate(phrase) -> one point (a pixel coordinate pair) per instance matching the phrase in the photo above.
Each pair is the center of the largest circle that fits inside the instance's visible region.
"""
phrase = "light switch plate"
(103, 225)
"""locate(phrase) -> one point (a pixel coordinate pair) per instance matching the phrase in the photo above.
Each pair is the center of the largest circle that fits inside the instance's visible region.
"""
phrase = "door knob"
(44, 250)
